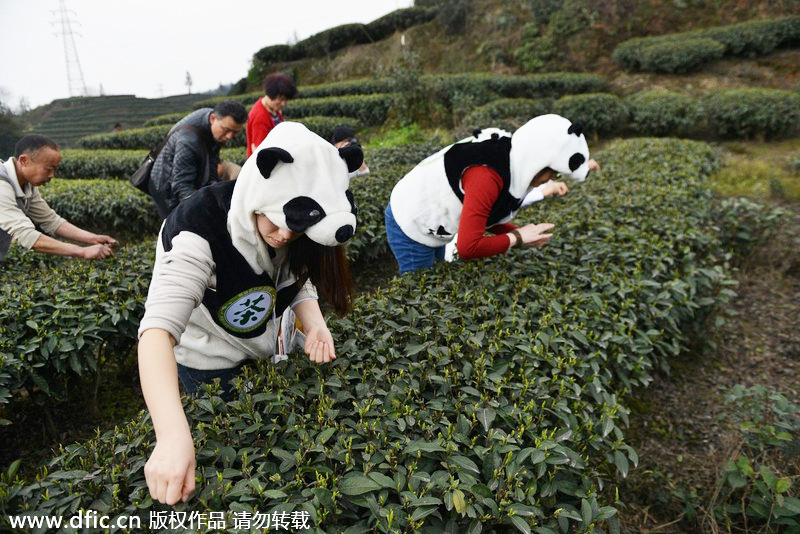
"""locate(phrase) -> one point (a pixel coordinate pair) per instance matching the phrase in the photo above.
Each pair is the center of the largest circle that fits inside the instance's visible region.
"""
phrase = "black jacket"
(179, 169)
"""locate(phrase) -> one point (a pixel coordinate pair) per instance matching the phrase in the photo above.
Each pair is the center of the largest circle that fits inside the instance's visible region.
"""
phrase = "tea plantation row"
(719, 114)
(47, 331)
(687, 51)
(479, 396)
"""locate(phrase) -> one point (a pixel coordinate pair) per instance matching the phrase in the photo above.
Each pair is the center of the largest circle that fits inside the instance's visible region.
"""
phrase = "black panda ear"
(269, 157)
(575, 128)
(476, 132)
(353, 156)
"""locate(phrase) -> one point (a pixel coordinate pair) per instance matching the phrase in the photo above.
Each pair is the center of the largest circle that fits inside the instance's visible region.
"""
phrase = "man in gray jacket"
(190, 157)
(26, 218)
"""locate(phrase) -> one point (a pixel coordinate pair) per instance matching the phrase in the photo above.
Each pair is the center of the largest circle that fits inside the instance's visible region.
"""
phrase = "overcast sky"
(145, 47)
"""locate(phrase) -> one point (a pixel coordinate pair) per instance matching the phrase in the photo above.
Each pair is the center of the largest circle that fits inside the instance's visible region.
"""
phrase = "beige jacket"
(19, 223)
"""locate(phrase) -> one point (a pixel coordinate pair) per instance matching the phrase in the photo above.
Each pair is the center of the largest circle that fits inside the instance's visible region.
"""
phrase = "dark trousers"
(192, 378)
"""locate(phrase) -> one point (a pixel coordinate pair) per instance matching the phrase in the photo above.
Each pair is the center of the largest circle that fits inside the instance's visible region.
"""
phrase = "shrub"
(334, 39)
(64, 320)
(169, 118)
(756, 490)
(752, 38)
(679, 56)
(600, 113)
(749, 113)
(459, 94)
(660, 113)
(120, 164)
(399, 20)
(135, 138)
(757, 37)
(246, 99)
(324, 125)
(452, 15)
(482, 395)
(331, 40)
(506, 113)
(364, 86)
(99, 163)
(369, 110)
(104, 206)
(794, 163)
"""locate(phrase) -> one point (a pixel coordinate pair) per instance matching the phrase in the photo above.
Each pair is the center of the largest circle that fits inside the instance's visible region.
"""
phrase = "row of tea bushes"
(61, 317)
(334, 39)
(720, 114)
(104, 206)
(686, 51)
(319, 117)
(116, 163)
(443, 88)
(120, 164)
(480, 396)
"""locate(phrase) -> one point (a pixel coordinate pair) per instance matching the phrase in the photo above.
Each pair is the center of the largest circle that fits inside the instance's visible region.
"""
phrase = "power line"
(77, 86)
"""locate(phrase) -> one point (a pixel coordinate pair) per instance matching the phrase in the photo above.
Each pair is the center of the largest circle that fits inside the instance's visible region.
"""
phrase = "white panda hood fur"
(547, 141)
(300, 182)
(428, 211)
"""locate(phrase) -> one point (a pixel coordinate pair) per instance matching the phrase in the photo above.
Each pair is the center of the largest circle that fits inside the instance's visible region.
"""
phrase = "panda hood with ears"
(299, 181)
(547, 141)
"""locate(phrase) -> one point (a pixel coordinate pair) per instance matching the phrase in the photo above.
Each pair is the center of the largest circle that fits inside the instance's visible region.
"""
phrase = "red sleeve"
(258, 125)
(481, 187)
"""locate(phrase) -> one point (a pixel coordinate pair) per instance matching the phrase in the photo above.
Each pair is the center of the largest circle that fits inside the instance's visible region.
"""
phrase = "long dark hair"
(327, 268)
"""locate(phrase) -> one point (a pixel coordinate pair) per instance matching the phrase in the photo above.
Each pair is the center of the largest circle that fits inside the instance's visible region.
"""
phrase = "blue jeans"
(410, 255)
(192, 378)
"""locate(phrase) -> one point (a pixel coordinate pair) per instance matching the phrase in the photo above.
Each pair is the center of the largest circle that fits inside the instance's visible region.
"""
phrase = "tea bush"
(120, 164)
(60, 317)
(99, 163)
(749, 113)
(480, 396)
(104, 206)
(600, 113)
(363, 86)
(171, 118)
(506, 113)
(749, 39)
(680, 56)
(319, 117)
(369, 110)
(334, 39)
(443, 88)
(660, 113)
(136, 138)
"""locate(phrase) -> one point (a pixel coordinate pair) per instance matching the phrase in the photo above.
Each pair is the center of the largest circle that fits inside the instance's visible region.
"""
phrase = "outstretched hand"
(535, 235)
(97, 252)
(170, 470)
(319, 345)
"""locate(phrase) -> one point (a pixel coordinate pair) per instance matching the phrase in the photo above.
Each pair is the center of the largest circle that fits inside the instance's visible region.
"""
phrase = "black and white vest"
(243, 301)
(427, 202)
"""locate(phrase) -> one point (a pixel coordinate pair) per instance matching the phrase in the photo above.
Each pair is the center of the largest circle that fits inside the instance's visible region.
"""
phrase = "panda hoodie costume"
(217, 287)
(427, 202)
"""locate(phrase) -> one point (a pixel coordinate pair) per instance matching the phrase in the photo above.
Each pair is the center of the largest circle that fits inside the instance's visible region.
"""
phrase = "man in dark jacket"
(189, 159)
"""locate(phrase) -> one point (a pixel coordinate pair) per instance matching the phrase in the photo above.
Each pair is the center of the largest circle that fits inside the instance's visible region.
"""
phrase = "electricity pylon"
(77, 86)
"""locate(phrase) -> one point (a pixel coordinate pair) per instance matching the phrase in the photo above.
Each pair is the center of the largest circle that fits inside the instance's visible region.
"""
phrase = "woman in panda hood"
(229, 261)
(479, 184)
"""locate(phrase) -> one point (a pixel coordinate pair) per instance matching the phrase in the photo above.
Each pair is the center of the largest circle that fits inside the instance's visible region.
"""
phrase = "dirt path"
(681, 425)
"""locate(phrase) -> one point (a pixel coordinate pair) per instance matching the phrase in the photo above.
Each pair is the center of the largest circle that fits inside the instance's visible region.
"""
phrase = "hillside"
(66, 120)
(524, 37)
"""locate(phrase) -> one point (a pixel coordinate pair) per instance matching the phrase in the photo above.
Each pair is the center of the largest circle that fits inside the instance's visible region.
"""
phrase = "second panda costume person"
(229, 260)
(479, 184)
